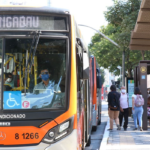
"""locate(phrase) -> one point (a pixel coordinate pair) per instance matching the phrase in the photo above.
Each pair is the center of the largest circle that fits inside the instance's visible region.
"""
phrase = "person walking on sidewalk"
(113, 107)
(123, 108)
(137, 108)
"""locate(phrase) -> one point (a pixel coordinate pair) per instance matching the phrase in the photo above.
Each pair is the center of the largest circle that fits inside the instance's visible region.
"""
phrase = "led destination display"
(32, 22)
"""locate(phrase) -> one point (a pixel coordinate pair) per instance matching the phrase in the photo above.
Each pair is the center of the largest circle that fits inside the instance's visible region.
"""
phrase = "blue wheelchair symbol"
(12, 100)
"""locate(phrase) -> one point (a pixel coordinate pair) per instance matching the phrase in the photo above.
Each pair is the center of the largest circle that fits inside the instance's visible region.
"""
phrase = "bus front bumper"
(67, 143)
(41, 146)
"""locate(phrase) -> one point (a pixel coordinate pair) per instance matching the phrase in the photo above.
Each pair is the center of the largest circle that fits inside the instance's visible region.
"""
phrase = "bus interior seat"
(7, 88)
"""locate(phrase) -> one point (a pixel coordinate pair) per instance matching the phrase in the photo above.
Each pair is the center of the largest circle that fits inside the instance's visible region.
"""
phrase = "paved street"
(97, 136)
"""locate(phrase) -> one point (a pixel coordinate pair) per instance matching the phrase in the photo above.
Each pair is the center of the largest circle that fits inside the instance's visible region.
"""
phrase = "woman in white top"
(123, 108)
(137, 111)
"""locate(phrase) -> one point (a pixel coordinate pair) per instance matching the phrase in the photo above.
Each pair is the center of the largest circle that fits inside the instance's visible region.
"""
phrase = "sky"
(86, 12)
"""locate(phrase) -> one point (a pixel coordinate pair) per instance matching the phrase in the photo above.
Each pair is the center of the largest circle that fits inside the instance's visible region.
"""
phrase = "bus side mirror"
(99, 83)
(80, 43)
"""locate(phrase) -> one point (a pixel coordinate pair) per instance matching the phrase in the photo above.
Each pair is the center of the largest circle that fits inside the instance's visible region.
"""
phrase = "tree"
(121, 19)
(102, 76)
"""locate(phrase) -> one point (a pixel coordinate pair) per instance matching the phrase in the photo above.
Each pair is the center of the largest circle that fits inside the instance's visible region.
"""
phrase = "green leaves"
(122, 17)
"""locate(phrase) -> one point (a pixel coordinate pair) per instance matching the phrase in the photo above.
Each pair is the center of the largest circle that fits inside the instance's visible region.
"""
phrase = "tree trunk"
(130, 73)
(143, 52)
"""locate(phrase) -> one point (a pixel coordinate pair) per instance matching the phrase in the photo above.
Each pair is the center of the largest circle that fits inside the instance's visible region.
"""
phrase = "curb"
(105, 137)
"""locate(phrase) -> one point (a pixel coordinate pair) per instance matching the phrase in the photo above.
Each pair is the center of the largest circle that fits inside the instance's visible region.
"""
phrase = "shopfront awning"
(140, 37)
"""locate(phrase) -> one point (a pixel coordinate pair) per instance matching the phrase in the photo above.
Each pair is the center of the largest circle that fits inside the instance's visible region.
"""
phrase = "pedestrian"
(113, 107)
(148, 108)
(123, 108)
(137, 108)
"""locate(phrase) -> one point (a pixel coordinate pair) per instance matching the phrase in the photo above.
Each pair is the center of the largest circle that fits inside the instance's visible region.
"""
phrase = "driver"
(46, 83)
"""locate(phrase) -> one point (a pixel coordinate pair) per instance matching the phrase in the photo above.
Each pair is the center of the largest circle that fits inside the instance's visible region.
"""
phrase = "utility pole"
(123, 67)
(101, 34)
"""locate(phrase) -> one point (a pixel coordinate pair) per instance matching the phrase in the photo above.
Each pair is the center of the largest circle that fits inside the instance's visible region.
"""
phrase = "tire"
(89, 141)
(99, 117)
(94, 128)
(99, 122)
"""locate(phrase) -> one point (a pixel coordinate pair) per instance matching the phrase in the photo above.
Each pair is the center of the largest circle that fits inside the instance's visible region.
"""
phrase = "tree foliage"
(102, 76)
(121, 19)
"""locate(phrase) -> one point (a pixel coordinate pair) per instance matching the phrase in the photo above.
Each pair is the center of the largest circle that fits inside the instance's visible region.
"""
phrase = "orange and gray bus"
(96, 98)
(46, 80)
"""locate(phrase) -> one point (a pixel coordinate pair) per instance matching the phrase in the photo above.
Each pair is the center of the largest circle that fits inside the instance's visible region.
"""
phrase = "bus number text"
(27, 136)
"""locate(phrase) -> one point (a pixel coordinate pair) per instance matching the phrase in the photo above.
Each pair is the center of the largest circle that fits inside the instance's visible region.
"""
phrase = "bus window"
(34, 81)
(1, 42)
(79, 66)
(79, 78)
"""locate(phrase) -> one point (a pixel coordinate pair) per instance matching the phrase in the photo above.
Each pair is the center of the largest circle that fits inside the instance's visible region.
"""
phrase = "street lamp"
(123, 53)
(119, 67)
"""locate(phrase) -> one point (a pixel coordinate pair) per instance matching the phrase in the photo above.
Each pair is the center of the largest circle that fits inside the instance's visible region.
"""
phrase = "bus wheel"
(99, 118)
(99, 122)
(89, 141)
(94, 128)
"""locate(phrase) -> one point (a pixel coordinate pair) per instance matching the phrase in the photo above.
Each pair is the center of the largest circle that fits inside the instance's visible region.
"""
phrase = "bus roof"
(52, 10)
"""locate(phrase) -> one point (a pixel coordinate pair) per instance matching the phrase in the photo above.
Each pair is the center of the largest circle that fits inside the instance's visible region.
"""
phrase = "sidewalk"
(125, 140)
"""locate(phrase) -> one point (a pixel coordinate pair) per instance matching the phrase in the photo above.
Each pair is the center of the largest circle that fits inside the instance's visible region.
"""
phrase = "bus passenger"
(9, 80)
(46, 83)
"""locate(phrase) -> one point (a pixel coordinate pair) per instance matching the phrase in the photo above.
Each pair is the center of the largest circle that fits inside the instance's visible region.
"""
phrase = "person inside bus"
(16, 77)
(46, 83)
(9, 81)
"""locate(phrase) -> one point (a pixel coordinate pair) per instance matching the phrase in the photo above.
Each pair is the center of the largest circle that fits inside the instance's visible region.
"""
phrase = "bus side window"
(79, 60)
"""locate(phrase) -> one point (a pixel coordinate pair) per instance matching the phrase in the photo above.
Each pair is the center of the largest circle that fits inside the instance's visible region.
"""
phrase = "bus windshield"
(34, 81)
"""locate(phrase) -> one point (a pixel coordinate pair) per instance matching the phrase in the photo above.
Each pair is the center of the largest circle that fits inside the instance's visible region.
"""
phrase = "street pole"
(101, 34)
(123, 53)
(123, 68)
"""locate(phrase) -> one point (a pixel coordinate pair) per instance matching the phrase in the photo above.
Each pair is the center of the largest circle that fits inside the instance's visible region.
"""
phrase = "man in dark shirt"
(113, 107)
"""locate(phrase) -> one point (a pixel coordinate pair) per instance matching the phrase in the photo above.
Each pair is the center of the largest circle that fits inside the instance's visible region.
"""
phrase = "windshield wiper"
(33, 48)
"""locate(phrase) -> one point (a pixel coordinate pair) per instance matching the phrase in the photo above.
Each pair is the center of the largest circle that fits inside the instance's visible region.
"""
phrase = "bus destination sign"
(19, 22)
(14, 22)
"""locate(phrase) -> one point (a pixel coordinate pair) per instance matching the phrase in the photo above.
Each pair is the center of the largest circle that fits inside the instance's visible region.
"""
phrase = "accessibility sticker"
(25, 104)
(12, 100)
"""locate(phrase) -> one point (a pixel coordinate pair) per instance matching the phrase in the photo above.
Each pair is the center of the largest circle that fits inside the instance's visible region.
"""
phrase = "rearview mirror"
(79, 41)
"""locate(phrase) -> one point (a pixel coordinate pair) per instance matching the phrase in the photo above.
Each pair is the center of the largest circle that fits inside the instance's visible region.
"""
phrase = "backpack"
(148, 111)
(114, 104)
(139, 101)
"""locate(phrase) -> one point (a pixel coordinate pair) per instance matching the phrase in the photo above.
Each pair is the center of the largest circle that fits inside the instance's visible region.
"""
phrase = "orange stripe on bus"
(73, 85)
(43, 124)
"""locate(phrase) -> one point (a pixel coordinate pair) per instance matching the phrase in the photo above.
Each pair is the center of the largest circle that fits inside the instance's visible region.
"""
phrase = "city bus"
(46, 80)
(96, 98)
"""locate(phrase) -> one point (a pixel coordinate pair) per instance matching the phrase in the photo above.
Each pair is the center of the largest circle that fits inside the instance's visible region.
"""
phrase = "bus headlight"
(59, 131)
(64, 126)
(51, 134)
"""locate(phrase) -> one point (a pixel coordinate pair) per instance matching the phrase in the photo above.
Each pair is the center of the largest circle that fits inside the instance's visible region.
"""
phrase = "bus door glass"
(79, 58)
(34, 73)
(1, 47)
